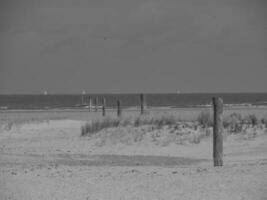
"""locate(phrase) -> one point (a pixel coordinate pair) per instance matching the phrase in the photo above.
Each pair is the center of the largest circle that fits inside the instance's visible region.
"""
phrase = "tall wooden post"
(90, 104)
(96, 102)
(104, 107)
(217, 131)
(142, 102)
(118, 108)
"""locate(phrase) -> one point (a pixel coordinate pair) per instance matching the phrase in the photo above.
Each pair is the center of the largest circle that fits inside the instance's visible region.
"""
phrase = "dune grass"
(165, 129)
(205, 118)
(160, 130)
(234, 122)
(99, 124)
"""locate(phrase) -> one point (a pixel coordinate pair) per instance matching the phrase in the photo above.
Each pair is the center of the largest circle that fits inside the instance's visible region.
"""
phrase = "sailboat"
(45, 92)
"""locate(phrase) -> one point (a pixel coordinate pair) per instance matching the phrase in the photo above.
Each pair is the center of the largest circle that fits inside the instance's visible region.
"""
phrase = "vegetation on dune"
(234, 122)
(205, 118)
(99, 124)
(156, 121)
(166, 129)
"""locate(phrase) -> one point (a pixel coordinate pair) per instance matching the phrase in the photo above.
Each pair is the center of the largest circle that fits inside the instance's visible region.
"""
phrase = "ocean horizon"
(77, 101)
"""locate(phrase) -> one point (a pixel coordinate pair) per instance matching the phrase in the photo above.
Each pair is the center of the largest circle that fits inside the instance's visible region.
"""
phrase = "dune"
(51, 160)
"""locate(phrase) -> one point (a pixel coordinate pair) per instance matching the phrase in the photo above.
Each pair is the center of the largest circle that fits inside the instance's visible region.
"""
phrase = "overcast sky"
(114, 46)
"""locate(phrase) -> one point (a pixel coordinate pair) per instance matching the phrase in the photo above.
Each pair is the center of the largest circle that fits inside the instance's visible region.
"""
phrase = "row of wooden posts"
(217, 123)
(119, 109)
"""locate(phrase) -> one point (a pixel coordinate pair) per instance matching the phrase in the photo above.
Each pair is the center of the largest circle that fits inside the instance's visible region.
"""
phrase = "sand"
(50, 160)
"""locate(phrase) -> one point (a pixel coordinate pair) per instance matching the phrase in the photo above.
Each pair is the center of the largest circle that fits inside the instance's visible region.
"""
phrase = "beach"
(44, 156)
(133, 100)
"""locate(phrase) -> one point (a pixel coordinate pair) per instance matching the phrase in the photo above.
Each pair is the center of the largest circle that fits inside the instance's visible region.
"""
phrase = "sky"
(126, 46)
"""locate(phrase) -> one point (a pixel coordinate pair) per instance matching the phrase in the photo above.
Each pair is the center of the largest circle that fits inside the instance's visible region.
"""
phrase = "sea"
(80, 101)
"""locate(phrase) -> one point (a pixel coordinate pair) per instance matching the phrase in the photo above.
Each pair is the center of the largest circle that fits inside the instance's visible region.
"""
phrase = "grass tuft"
(205, 119)
(165, 129)
(233, 122)
(98, 125)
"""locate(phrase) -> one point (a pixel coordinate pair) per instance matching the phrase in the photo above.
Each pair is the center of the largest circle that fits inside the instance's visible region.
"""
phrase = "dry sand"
(50, 160)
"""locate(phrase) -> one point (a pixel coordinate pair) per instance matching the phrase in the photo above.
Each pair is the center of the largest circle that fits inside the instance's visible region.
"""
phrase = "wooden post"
(142, 101)
(90, 104)
(96, 102)
(217, 131)
(118, 108)
(104, 107)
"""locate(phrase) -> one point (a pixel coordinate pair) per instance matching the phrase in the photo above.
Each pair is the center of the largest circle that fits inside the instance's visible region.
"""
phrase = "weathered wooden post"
(217, 131)
(118, 108)
(104, 107)
(90, 104)
(96, 102)
(142, 101)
